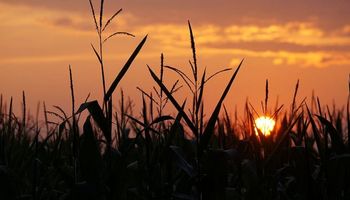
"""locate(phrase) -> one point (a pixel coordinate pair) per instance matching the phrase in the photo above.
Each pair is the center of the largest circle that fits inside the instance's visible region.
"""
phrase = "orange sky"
(282, 41)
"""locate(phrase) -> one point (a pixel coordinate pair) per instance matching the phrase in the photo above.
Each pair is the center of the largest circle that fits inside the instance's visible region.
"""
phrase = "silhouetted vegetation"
(117, 155)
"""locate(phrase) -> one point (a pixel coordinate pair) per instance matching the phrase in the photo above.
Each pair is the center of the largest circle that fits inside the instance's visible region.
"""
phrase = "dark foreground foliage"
(190, 155)
(307, 157)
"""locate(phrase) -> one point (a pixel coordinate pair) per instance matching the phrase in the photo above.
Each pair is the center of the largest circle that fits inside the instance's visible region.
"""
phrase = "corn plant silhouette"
(307, 157)
(103, 116)
(196, 120)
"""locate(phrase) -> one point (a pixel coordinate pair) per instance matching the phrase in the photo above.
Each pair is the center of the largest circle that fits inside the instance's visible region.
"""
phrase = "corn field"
(102, 150)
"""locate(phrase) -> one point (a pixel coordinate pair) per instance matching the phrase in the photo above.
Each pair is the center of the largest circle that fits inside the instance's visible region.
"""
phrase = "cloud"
(76, 5)
(302, 43)
(315, 42)
(17, 16)
(85, 23)
(216, 12)
(302, 59)
(300, 33)
(297, 33)
(280, 58)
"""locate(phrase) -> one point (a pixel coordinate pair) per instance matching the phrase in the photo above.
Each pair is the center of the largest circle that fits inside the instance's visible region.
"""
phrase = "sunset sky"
(281, 41)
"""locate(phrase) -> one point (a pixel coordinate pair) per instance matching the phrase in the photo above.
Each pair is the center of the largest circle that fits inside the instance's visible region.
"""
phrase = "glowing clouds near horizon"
(265, 125)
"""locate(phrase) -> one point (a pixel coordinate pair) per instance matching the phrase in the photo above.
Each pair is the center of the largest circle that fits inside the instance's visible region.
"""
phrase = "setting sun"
(154, 99)
(265, 125)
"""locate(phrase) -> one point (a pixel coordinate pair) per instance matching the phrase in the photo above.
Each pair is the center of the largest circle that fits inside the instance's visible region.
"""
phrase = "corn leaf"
(173, 101)
(124, 69)
(97, 114)
(209, 130)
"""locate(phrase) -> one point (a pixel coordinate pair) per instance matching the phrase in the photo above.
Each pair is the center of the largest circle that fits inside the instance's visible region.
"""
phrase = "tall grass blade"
(175, 128)
(156, 91)
(337, 141)
(174, 89)
(329, 114)
(118, 33)
(161, 119)
(56, 115)
(181, 73)
(209, 130)
(147, 95)
(266, 96)
(275, 114)
(73, 99)
(348, 115)
(217, 73)
(173, 101)
(65, 116)
(148, 127)
(110, 19)
(316, 136)
(192, 68)
(201, 90)
(193, 47)
(94, 15)
(281, 140)
(145, 122)
(201, 119)
(24, 110)
(184, 77)
(97, 114)
(161, 72)
(86, 100)
(227, 121)
(294, 97)
(75, 134)
(319, 107)
(101, 15)
(252, 107)
(97, 54)
(151, 109)
(124, 69)
(46, 119)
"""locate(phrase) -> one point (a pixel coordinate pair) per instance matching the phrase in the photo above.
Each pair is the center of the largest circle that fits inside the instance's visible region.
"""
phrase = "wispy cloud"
(299, 33)
(17, 16)
(175, 39)
(325, 47)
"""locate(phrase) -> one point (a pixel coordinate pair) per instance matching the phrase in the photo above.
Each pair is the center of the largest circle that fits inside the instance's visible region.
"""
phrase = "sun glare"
(265, 125)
